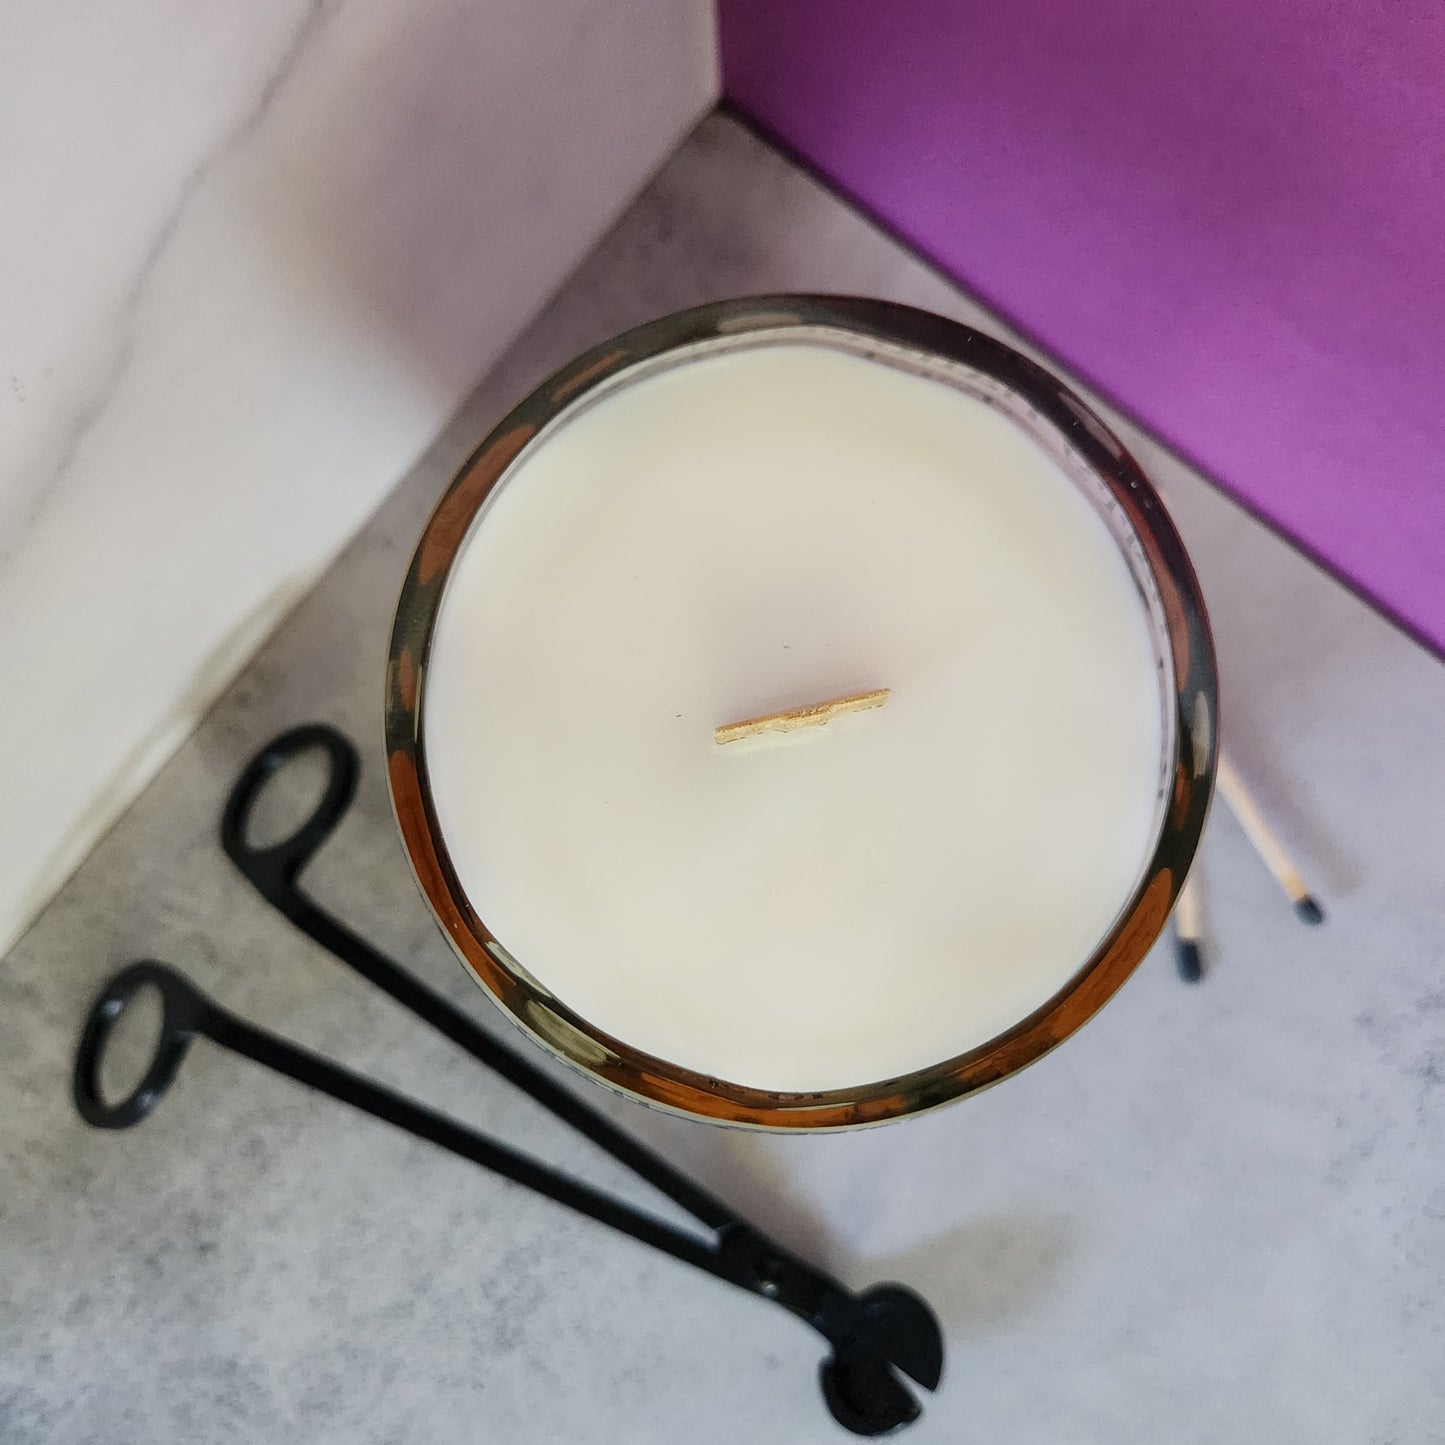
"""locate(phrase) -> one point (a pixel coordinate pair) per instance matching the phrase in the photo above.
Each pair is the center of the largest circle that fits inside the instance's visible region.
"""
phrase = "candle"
(764, 531)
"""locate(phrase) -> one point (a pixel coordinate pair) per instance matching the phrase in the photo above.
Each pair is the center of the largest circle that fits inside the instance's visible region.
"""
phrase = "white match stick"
(814, 714)
(1187, 931)
(1262, 836)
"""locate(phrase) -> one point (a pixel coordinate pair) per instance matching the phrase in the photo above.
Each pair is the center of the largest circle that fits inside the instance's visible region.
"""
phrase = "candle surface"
(746, 533)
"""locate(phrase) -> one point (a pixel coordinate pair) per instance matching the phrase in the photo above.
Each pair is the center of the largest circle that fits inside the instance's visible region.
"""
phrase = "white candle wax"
(742, 534)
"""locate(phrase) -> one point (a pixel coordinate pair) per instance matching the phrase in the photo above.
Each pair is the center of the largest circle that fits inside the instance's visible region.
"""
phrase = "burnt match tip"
(1189, 960)
(1309, 910)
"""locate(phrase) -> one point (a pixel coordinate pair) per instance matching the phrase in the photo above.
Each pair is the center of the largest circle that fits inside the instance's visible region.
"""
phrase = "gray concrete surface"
(1217, 1215)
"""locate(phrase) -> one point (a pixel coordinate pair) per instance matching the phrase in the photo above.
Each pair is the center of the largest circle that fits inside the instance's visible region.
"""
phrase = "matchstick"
(1269, 848)
(815, 714)
(1187, 931)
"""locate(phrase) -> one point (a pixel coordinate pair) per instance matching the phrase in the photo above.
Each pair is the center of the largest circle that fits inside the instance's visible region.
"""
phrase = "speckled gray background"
(1217, 1215)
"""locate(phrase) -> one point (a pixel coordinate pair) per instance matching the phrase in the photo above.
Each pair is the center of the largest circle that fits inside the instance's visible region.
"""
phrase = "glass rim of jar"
(1179, 623)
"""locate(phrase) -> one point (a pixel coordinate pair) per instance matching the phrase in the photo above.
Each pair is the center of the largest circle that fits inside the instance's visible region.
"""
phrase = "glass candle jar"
(801, 712)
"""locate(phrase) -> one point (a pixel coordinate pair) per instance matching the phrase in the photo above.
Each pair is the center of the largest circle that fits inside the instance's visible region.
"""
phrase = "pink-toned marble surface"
(1229, 217)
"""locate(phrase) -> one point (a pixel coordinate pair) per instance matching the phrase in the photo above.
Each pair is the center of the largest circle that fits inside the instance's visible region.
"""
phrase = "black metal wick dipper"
(872, 1335)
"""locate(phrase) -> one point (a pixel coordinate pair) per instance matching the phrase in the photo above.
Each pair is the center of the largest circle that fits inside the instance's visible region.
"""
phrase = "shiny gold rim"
(1193, 689)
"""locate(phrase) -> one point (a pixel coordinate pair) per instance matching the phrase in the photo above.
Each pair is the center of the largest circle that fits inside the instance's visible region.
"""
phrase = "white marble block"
(252, 254)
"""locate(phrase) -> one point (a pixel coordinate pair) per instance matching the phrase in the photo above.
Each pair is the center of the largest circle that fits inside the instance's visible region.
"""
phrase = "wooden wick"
(814, 714)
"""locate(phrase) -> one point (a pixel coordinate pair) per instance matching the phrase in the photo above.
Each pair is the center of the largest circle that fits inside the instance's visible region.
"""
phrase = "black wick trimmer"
(872, 1335)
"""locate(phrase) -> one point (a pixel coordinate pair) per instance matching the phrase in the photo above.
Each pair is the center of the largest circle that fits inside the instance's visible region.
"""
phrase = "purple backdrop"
(1228, 216)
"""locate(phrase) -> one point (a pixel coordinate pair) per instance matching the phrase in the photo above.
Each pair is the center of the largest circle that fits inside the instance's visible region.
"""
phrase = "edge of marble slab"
(228, 658)
(170, 394)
